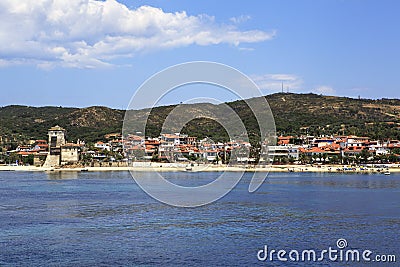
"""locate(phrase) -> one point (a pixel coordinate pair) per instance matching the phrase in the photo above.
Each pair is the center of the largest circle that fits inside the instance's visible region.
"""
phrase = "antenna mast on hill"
(282, 87)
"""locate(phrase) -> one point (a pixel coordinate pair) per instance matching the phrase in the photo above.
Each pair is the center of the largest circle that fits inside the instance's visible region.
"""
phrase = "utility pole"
(224, 154)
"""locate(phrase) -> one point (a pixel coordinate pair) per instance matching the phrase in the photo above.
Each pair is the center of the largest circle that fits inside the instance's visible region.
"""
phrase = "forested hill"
(294, 114)
(316, 114)
(25, 123)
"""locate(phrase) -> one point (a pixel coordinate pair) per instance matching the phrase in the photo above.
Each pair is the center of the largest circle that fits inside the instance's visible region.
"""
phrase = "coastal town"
(115, 151)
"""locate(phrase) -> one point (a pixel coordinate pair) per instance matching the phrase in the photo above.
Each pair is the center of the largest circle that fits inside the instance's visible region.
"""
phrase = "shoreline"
(212, 168)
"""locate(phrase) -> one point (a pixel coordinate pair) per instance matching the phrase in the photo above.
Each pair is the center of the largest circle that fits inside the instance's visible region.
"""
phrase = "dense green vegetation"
(18, 124)
(294, 114)
(316, 115)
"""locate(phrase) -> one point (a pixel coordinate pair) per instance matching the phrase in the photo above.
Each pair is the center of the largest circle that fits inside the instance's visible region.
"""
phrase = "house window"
(53, 141)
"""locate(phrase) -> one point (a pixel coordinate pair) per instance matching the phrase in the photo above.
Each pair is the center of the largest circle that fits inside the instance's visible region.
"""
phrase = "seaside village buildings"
(56, 151)
(60, 152)
(289, 149)
(333, 148)
(52, 153)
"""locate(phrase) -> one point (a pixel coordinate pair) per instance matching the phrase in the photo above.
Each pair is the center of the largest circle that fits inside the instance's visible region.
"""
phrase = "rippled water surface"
(94, 219)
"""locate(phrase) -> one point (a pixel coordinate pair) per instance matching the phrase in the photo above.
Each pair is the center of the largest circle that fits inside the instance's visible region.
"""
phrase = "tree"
(304, 158)
(346, 159)
(393, 158)
(358, 157)
(155, 158)
(396, 151)
(86, 158)
(29, 159)
(365, 155)
(334, 159)
(324, 157)
(12, 158)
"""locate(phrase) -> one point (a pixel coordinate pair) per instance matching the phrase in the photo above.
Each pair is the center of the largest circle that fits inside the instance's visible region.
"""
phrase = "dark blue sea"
(105, 219)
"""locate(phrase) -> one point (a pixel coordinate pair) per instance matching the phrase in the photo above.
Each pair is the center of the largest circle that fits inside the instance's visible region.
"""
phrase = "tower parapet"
(56, 136)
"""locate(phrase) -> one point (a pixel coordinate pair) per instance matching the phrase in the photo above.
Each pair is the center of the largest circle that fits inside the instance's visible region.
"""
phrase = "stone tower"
(56, 140)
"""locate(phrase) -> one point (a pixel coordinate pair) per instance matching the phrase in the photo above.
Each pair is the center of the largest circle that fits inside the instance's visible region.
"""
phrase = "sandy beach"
(166, 167)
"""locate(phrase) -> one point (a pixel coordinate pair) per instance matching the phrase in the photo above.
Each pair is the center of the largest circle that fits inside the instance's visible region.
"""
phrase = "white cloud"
(274, 82)
(240, 19)
(89, 33)
(325, 90)
(246, 49)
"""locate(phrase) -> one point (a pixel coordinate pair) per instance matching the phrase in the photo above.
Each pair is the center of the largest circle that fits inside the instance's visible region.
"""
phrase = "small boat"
(387, 172)
(188, 168)
(84, 170)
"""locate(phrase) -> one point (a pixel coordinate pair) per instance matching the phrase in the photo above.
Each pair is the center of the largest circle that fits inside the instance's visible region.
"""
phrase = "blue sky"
(84, 52)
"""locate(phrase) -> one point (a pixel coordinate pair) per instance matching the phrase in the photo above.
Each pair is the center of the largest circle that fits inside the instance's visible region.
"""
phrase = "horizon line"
(173, 104)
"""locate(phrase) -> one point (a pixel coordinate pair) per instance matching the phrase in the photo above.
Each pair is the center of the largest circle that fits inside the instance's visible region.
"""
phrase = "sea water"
(105, 219)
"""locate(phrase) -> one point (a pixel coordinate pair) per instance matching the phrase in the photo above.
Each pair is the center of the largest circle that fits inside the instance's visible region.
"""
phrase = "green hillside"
(294, 114)
(21, 123)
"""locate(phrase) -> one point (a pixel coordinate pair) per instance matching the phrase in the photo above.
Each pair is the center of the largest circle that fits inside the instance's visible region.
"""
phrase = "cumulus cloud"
(274, 82)
(325, 90)
(90, 33)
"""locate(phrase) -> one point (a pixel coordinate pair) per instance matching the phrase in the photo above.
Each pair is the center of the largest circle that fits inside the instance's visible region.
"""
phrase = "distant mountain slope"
(24, 123)
(294, 114)
(333, 115)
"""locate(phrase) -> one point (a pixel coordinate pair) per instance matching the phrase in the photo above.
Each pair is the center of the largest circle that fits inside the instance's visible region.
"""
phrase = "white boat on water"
(387, 172)
(188, 168)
